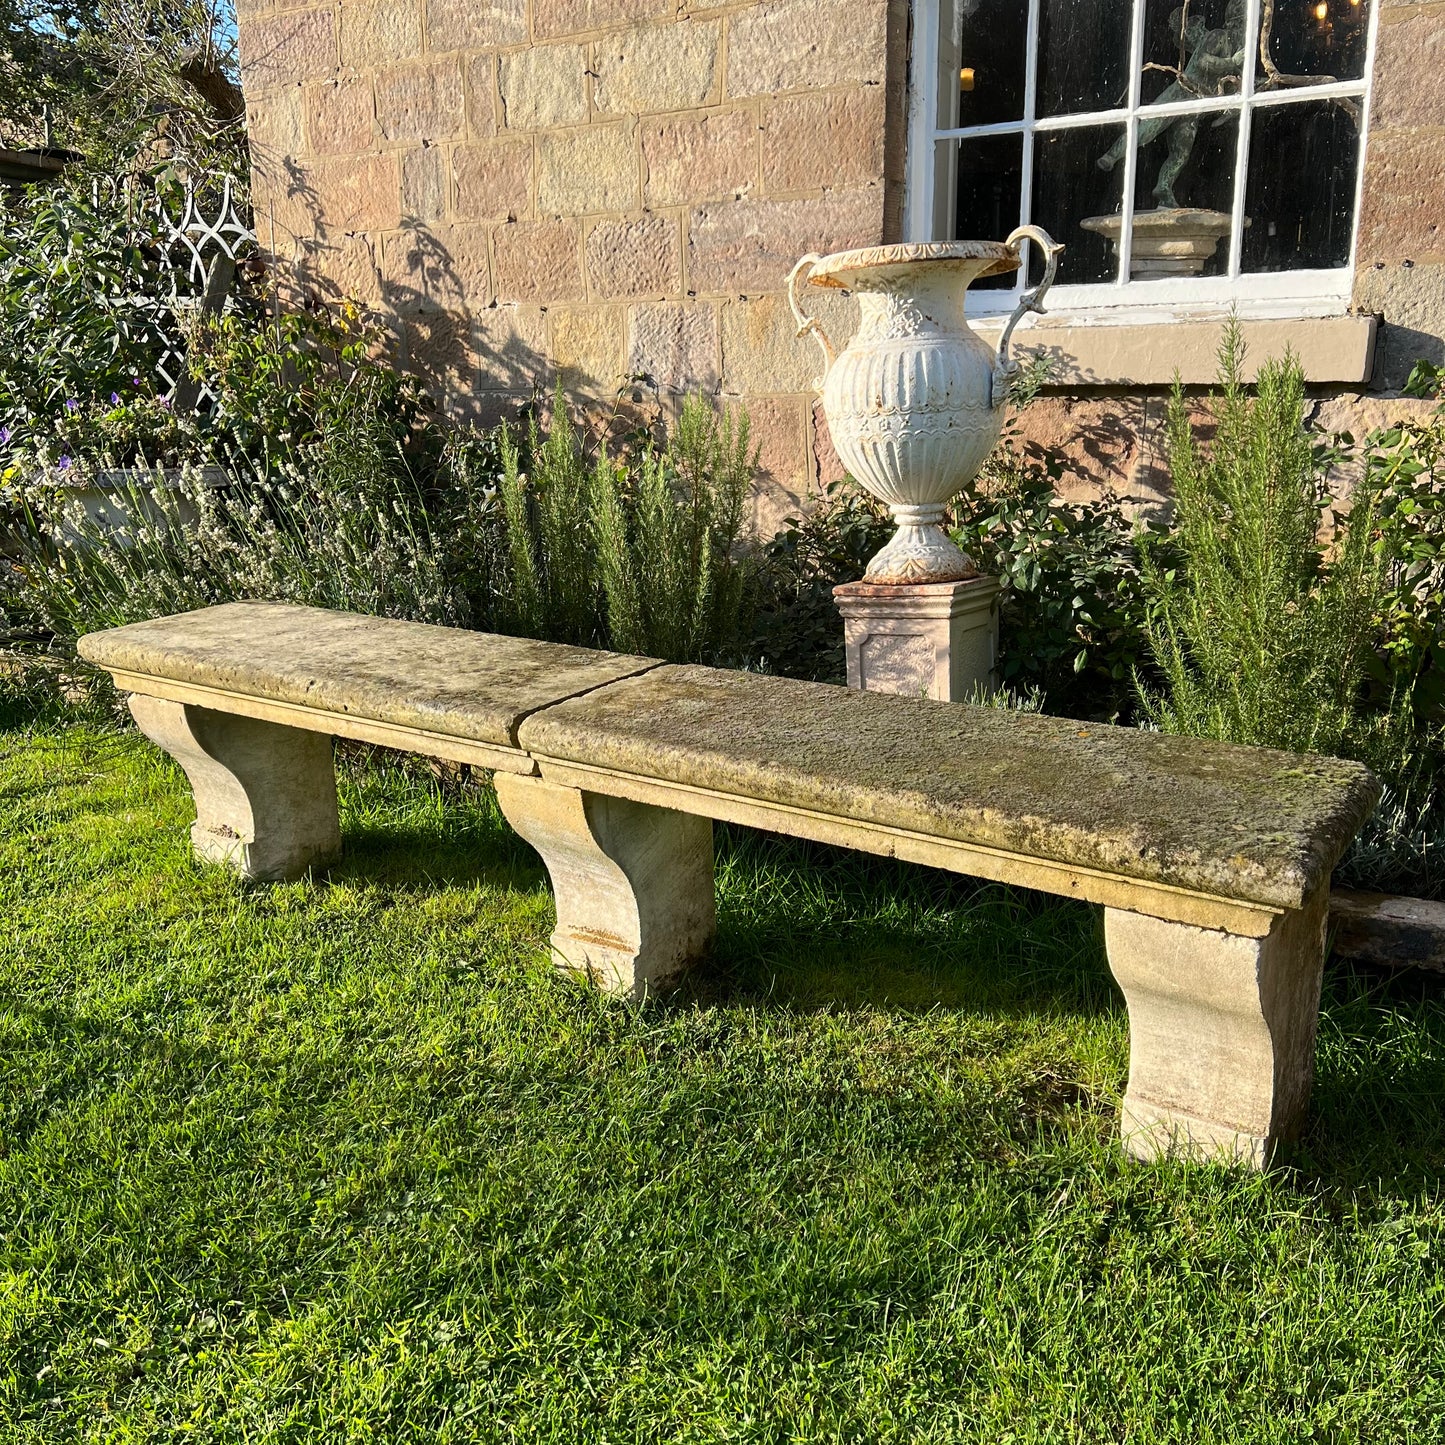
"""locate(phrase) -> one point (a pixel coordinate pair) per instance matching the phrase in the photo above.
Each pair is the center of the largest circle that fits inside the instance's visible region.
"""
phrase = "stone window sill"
(1332, 349)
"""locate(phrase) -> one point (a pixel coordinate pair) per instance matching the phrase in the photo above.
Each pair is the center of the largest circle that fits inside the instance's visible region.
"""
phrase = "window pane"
(1070, 187)
(1191, 51)
(1323, 39)
(1083, 55)
(1184, 196)
(990, 184)
(992, 52)
(1300, 198)
(1188, 161)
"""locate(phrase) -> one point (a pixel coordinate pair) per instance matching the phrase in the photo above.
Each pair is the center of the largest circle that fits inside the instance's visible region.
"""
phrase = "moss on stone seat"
(1252, 824)
(474, 685)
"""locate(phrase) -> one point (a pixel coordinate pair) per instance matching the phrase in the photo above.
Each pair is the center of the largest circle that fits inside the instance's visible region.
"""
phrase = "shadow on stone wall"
(488, 363)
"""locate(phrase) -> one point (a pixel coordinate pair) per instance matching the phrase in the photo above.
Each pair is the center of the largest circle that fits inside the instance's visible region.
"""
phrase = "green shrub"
(377, 511)
(71, 333)
(1071, 619)
(1402, 848)
(276, 376)
(352, 522)
(798, 632)
(1262, 622)
(552, 589)
(633, 548)
(1404, 477)
(668, 536)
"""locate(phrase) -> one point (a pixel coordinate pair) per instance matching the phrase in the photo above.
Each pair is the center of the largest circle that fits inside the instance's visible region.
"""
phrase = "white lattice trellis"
(207, 225)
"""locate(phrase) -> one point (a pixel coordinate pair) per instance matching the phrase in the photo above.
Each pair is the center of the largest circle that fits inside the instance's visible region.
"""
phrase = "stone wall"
(594, 189)
(591, 188)
(1401, 272)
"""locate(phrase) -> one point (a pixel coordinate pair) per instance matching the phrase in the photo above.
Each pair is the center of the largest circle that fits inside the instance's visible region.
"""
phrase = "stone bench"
(1212, 862)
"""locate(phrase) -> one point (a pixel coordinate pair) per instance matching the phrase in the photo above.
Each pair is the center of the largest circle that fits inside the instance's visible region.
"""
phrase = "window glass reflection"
(1311, 40)
(1083, 56)
(1192, 50)
(990, 183)
(1300, 195)
(1069, 189)
(1190, 237)
(992, 51)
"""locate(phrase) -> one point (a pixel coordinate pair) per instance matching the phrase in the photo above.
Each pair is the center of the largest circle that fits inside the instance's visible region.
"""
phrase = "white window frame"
(1279, 293)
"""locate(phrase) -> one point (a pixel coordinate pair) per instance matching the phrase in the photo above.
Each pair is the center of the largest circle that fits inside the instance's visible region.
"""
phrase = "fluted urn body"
(915, 403)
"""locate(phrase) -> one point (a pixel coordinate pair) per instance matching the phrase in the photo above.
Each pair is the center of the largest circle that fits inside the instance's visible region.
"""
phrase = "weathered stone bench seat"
(1212, 861)
(1103, 813)
(440, 691)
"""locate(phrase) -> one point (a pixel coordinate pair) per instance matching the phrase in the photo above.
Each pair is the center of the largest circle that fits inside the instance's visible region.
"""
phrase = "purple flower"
(165, 401)
(115, 398)
(5, 435)
(135, 381)
(64, 464)
(71, 404)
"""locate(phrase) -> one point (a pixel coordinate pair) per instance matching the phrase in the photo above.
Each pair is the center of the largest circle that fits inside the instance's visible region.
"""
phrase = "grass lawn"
(344, 1160)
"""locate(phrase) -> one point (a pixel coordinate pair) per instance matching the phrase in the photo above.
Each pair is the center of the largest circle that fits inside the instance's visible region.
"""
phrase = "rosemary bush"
(373, 512)
(667, 539)
(631, 548)
(1262, 621)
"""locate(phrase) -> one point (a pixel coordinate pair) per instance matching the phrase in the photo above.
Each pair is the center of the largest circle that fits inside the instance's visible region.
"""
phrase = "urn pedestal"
(937, 640)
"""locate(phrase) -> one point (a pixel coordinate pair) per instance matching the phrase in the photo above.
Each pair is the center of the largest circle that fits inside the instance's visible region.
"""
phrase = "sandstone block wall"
(594, 189)
(1401, 267)
(597, 189)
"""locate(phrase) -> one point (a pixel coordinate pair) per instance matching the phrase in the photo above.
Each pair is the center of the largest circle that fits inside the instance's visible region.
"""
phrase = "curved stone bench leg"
(265, 794)
(1221, 1032)
(633, 883)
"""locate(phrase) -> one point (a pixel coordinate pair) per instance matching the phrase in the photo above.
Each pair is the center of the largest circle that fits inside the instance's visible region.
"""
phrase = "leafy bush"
(668, 537)
(798, 632)
(135, 429)
(1071, 619)
(1402, 848)
(277, 376)
(552, 589)
(373, 510)
(71, 333)
(1404, 478)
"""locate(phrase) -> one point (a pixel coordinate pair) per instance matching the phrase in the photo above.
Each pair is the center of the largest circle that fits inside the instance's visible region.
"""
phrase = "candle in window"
(1322, 10)
(965, 78)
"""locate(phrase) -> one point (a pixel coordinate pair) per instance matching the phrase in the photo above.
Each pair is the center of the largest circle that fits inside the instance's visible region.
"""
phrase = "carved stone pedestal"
(937, 640)
(1175, 242)
(265, 794)
(633, 883)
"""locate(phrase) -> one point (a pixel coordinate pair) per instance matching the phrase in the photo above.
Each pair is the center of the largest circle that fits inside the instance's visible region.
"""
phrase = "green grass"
(344, 1161)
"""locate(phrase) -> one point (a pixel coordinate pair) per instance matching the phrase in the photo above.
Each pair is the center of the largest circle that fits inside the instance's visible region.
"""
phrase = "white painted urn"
(916, 401)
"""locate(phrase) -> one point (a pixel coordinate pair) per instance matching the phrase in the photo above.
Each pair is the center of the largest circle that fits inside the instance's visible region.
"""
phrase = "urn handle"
(1004, 368)
(810, 324)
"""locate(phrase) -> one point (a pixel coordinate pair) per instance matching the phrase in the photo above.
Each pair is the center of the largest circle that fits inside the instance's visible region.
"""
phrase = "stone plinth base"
(936, 640)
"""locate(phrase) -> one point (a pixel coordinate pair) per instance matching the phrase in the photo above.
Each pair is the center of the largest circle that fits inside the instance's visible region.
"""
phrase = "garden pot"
(915, 403)
(113, 501)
